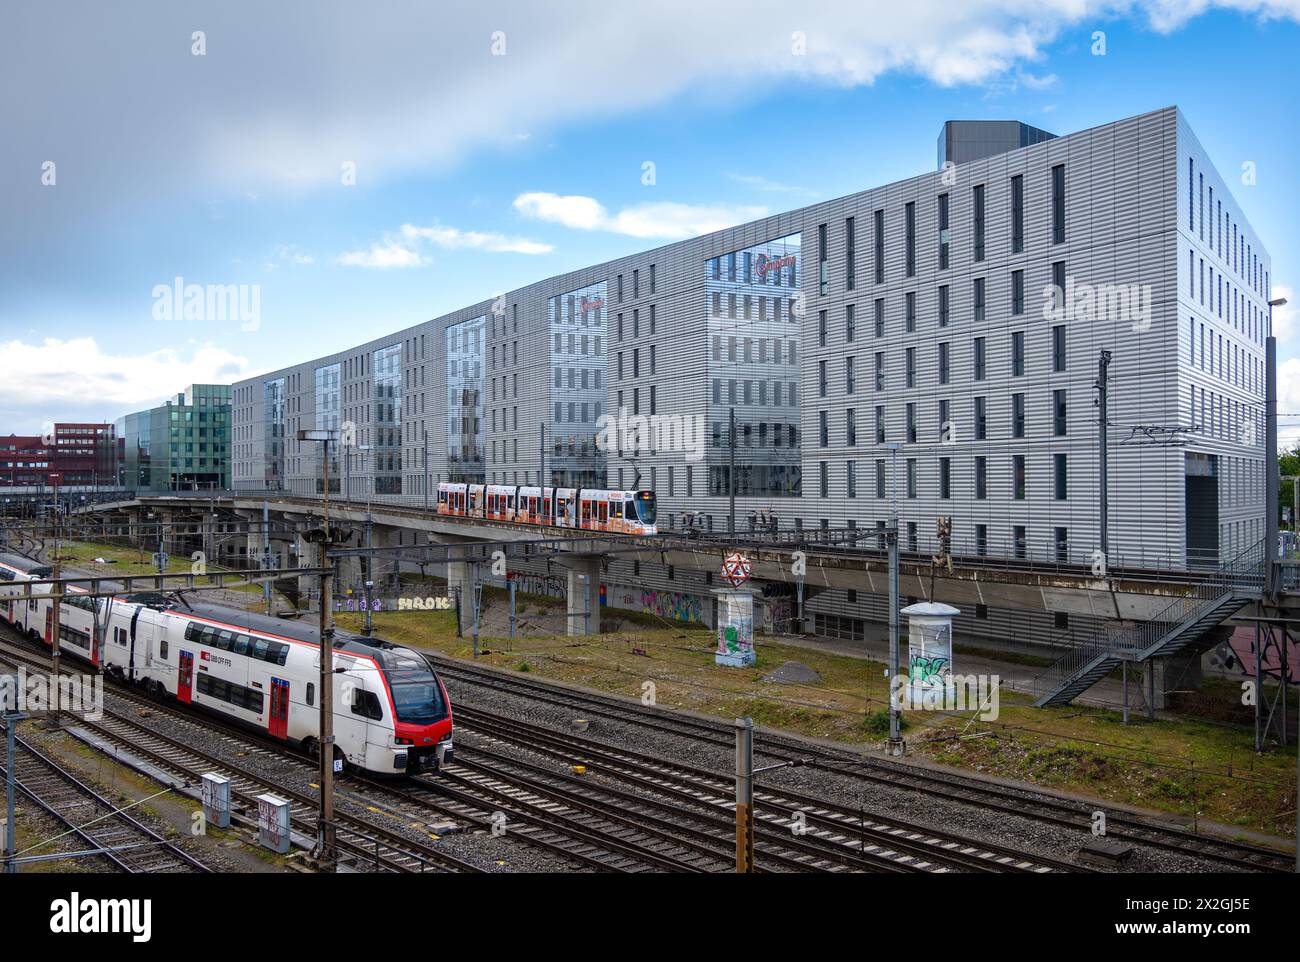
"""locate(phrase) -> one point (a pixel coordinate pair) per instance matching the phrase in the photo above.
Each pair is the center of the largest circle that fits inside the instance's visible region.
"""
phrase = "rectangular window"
(850, 323)
(911, 421)
(1017, 353)
(880, 478)
(981, 420)
(978, 359)
(1017, 214)
(880, 246)
(911, 366)
(909, 218)
(1017, 415)
(880, 370)
(911, 477)
(823, 429)
(1060, 476)
(943, 362)
(943, 305)
(880, 424)
(848, 374)
(850, 255)
(943, 232)
(1019, 538)
(909, 312)
(1017, 292)
(945, 479)
(1062, 552)
(1018, 477)
(978, 298)
(1058, 412)
(823, 269)
(821, 328)
(851, 478)
(850, 428)
(978, 225)
(1058, 348)
(880, 317)
(981, 478)
(1058, 285)
(1058, 204)
(824, 479)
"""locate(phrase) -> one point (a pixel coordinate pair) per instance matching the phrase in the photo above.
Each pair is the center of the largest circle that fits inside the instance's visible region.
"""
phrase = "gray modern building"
(939, 338)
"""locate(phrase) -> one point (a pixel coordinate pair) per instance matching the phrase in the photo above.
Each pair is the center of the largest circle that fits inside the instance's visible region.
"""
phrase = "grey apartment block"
(925, 312)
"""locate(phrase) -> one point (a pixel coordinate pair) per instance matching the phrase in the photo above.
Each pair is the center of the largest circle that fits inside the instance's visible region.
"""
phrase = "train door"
(94, 644)
(49, 625)
(278, 723)
(185, 677)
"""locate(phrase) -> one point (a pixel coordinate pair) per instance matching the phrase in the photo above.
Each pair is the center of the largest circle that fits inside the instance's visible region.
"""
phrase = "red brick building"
(77, 455)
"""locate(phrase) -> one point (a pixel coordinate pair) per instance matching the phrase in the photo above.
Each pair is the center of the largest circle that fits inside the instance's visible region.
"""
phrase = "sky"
(351, 169)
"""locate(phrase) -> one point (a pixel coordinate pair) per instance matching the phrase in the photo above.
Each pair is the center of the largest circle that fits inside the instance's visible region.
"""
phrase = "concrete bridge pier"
(584, 594)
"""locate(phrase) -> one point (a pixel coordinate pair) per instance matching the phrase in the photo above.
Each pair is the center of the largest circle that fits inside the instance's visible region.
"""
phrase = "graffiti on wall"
(548, 586)
(665, 604)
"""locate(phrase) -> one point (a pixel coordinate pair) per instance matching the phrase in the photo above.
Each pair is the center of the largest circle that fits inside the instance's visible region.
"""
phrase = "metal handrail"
(1245, 571)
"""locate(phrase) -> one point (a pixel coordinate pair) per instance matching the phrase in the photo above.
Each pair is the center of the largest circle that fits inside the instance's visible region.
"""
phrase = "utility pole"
(895, 744)
(266, 552)
(326, 853)
(426, 471)
(744, 795)
(1270, 464)
(541, 472)
(731, 476)
(55, 614)
(1103, 364)
(368, 628)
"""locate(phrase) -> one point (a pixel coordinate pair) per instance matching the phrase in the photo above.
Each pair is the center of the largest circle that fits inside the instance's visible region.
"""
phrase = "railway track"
(950, 786)
(813, 827)
(125, 842)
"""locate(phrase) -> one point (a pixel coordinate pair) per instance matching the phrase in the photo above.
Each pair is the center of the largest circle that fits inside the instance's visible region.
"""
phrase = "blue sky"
(226, 168)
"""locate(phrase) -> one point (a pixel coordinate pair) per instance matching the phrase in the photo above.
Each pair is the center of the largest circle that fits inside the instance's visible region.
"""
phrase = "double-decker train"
(621, 512)
(391, 711)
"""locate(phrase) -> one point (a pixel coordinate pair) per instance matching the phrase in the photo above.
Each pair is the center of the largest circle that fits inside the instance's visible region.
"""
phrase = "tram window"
(366, 704)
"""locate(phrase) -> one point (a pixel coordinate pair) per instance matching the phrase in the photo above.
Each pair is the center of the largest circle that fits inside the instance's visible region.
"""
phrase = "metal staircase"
(1179, 628)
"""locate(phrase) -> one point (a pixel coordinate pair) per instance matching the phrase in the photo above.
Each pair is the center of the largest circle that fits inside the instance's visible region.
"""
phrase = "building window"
(1017, 292)
(821, 328)
(978, 205)
(943, 305)
(880, 478)
(1017, 214)
(981, 421)
(909, 314)
(909, 218)
(1017, 353)
(880, 246)
(880, 424)
(981, 477)
(1062, 545)
(823, 429)
(978, 297)
(945, 479)
(943, 362)
(978, 357)
(823, 268)
(1058, 348)
(981, 540)
(1058, 204)
(943, 232)
(848, 374)
(850, 255)
(1061, 485)
(850, 428)
(880, 317)
(824, 478)
(1019, 539)
(1017, 415)
(1058, 412)
(851, 478)
(850, 324)
(911, 477)
(1018, 477)
(910, 357)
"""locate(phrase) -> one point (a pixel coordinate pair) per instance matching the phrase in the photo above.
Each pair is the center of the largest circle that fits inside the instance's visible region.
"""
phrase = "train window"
(240, 647)
(281, 653)
(259, 648)
(209, 636)
(253, 700)
(193, 630)
(225, 640)
(311, 694)
(366, 704)
(162, 650)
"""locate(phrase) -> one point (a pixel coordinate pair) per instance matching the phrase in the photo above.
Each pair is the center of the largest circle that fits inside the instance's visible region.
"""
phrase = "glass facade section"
(753, 305)
(327, 419)
(577, 324)
(464, 360)
(386, 398)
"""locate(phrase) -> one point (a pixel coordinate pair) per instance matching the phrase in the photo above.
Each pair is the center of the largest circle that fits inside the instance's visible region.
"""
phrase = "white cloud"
(759, 182)
(68, 380)
(451, 238)
(383, 255)
(659, 220)
(402, 248)
(322, 90)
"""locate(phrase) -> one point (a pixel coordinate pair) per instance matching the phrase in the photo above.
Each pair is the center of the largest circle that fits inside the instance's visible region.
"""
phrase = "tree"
(1288, 463)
